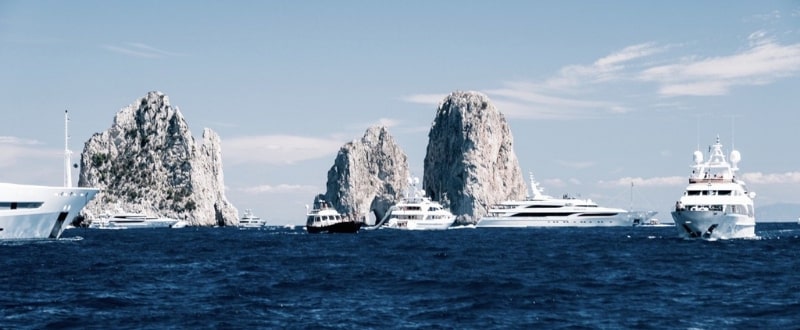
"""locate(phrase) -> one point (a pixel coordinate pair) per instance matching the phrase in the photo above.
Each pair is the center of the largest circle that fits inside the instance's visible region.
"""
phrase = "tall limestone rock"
(470, 161)
(368, 175)
(149, 162)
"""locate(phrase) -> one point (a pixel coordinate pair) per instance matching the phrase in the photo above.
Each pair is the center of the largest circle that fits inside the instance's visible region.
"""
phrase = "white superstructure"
(37, 212)
(715, 204)
(250, 220)
(540, 210)
(417, 212)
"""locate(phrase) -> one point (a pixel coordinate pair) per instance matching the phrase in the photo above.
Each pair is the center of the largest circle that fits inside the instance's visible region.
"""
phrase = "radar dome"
(698, 157)
(735, 156)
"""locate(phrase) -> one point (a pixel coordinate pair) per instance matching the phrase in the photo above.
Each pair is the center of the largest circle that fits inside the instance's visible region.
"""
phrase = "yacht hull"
(419, 224)
(141, 224)
(252, 226)
(521, 222)
(339, 227)
(39, 212)
(713, 225)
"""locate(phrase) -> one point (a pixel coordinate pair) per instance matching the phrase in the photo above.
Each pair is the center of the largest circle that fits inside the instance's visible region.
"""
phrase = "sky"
(605, 99)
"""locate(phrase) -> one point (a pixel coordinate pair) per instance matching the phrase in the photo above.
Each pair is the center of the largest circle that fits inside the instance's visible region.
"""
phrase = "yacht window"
(20, 205)
(553, 214)
(608, 214)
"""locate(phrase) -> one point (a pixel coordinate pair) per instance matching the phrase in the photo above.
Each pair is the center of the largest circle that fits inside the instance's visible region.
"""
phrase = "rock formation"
(470, 161)
(368, 175)
(149, 162)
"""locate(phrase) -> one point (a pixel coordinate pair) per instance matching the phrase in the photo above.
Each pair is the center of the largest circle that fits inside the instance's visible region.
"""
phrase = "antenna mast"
(733, 133)
(631, 208)
(697, 131)
(67, 152)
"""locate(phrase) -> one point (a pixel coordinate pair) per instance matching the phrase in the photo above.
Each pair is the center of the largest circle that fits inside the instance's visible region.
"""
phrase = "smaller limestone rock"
(368, 175)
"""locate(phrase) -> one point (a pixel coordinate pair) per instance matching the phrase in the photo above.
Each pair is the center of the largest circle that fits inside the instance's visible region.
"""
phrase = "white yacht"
(249, 220)
(715, 204)
(129, 220)
(36, 212)
(39, 212)
(417, 212)
(540, 210)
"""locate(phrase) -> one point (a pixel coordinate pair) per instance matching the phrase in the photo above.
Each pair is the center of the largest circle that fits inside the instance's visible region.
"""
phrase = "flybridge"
(716, 169)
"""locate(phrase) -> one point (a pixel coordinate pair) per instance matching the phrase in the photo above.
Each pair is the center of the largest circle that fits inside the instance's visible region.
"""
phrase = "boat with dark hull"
(325, 219)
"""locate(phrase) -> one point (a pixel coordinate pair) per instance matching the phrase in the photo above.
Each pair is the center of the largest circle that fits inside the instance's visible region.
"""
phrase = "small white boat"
(249, 220)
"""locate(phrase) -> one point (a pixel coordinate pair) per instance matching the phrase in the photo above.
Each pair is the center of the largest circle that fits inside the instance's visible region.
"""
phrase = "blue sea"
(471, 278)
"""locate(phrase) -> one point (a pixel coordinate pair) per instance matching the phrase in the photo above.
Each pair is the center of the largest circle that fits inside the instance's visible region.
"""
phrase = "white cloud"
(629, 53)
(763, 62)
(667, 181)
(564, 96)
(277, 149)
(136, 49)
(608, 68)
(527, 101)
(281, 188)
(387, 122)
(15, 150)
(13, 140)
(430, 99)
(771, 178)
(580, 91)
(771, 16)
(750, 178)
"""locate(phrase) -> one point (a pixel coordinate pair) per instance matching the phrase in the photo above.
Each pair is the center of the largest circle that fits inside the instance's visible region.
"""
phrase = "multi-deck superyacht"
(716, 204)
(540, 210)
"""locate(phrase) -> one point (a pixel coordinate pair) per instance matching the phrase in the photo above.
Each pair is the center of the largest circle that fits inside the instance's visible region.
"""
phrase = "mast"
(67, 152)
(631, 207)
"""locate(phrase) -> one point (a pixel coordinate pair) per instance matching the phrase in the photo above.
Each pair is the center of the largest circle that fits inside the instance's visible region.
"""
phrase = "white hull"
(39, 212)
(437, 224)
(253, 225)
(620, 220)
(149, 223)
(714, 225)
